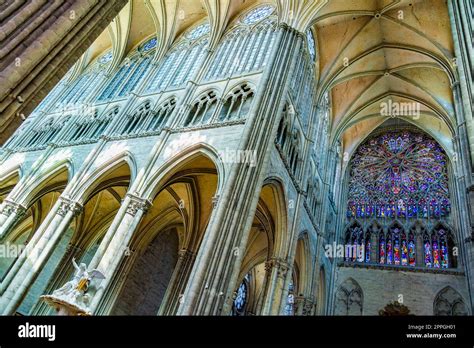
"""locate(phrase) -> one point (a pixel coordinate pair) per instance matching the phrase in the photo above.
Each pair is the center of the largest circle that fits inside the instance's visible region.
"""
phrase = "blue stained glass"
(382, 250)
(444, 255)
(400, 172)
(367, 249)
(241, 298)
(311, 44)
(404, 252)
(107, 57)
(436, 263)
(427, 248)
(198, 31)
(396, 248)
(257, 14)
(411, 252)
(150, 44)
(389, 251)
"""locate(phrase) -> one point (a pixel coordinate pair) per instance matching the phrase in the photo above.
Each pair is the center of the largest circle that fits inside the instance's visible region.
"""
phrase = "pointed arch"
(90, 182)
(279, 199)
(448, 301)
(46, 175)
(303, 260)
(171, 164)
(349, 298)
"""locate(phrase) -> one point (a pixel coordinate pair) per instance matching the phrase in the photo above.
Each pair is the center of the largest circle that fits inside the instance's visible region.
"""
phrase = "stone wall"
(419, 289)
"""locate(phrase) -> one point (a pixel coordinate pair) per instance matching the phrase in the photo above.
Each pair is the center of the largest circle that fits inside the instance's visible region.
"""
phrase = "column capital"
(286, 26)
(10, 207)
(185, 254)
(215, 200)
(137, 203)
(304, 305)
(67, 205)
(281, 265)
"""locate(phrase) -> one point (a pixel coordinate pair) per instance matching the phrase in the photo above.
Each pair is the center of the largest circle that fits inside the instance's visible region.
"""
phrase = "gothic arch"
(46, 175)
(176, 160)
(303, 263)
(101, 195)
(321, 299)
(349, 298)
(89, 183)
(181, 206)
(280, 214)
(8, 180)
(8, 173)
(449, 302)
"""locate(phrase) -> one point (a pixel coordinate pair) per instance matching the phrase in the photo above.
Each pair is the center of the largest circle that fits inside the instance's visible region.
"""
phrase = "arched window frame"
(181, 61)
(202, 110)
(132, 71)
(160, 118)
(89, 128)
(44, 133)
(245, 46)
(84, 86)
(237, 100)
(133, 122)
(241, 300)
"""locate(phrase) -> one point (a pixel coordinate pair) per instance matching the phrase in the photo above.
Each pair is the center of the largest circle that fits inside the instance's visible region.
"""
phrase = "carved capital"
(308, 305)
(11, 207)
(215, 200)
(185, 255)
(67, 205)
(136, 204)
(280, 265)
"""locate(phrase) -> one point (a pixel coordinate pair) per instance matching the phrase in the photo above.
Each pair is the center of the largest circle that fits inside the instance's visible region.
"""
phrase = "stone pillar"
(11, 212)
(62, 274)
(217, 266)
(175, 293)
(299, 305)
(116, 242)
(304, 306)
(274, 300)
(36, 254)
(54, 35)
(460, 16)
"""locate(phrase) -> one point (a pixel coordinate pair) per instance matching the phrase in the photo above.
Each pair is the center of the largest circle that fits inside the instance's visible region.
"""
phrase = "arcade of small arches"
(168, 236)
(122, 166)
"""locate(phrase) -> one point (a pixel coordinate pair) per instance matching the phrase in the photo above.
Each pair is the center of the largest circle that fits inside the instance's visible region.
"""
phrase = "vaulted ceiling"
(374, 51)
(369, 52)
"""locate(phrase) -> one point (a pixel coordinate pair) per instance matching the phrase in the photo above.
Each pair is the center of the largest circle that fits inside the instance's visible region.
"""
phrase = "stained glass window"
(382, 249)
(149, 45)
(396, 246)
(241, 297)
(435, 253)
(107, 57)
(404, 251)
(257, 14)
(399, 174)
(444, 251)
(367, 247)
(355, 246)
(311, 44)
(389, 250)
(411, 251)
(197, 32)
(290, 301)
(438, 248)
(427, 252)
